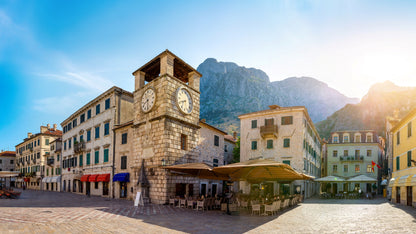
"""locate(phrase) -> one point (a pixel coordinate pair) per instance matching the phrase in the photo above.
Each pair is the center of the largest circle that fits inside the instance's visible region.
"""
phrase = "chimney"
(235, 135)
(29, 135)
(43, 129)
(273, 107)
(48, 126)
(54, 127)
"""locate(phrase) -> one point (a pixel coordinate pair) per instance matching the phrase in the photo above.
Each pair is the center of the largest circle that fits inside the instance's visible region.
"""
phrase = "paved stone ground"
(53, 212)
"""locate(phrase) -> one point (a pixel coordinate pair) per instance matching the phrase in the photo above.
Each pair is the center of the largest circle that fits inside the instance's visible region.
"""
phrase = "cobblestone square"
(52, 212)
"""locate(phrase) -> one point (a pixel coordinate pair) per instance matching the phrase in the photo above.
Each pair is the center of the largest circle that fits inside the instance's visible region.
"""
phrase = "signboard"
(139, 199)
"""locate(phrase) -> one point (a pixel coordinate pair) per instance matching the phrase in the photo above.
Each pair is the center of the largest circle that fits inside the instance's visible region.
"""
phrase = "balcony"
(268, 130)
(79, 147)
(47, 154)
(353, 158)
(50, 161)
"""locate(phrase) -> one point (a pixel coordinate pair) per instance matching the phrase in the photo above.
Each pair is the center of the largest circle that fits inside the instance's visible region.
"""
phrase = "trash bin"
(384, 193)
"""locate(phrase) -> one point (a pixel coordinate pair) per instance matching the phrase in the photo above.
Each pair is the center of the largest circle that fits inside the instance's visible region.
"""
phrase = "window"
(369, 138)
(124, 138)
(97, 109)
(335, 168)
(269, 144)
(287, 120)
(96, 185)
(346, 139)
(106, 129)
(254, 124)
(183, 141)
(82, 118)
(216, 140)
(215, 162)
(46, 141)
(286, 142)
(107, 103)
(38, 154)
(409, 129)
(97, 157)
(335, 139)
(225, 148)
(89, 114)
(81, 138)
(409, 158)
(69, 126)
(80, 160)
(357, 153)
(88, 135)
(357, 168)
(11, 161)
(88, 159)
(345, 168)
(64, 145)
(97, 132)
(106, 155)
(368, 153)
(74, 123)
(397, 163)
(123, 162)
(75, 139)
(69, 143)
(254, 145)
(268, 122)
(345, 152)
(369, 168)
(286, 162)
(357, 138)
(335, 153)
(398, 137)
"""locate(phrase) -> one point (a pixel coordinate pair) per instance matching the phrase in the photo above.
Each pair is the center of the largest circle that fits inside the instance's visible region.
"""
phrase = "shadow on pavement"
(375, 201)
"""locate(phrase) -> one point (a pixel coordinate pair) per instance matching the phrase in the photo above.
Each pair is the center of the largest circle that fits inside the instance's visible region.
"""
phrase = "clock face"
(148, 99)
(184, 100)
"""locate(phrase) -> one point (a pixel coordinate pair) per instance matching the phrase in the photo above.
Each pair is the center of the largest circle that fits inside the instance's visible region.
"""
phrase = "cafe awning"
(405, 180)
(84, 178)
(103, 178)
(259, 170)
(392, 182)
(93, 178)
(122, 177)
(55, 179)
(330, 179)
(362, 178)
(200, 170)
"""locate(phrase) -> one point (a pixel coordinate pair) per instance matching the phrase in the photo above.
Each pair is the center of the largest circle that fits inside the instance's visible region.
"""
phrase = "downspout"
(118, 108)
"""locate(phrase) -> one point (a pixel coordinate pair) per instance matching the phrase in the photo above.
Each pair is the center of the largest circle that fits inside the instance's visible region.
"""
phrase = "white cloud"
(59, 104)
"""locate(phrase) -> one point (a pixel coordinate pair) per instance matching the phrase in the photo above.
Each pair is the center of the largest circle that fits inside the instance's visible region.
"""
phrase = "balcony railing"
(47, 154)
(268, 130)
(352, 158)
(79, 147)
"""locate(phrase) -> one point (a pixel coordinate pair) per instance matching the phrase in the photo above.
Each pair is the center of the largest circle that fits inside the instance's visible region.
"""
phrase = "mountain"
(382, 100)
(229, 90)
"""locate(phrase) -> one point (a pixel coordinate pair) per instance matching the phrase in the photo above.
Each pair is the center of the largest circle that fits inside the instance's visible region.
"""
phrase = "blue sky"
(55, 56)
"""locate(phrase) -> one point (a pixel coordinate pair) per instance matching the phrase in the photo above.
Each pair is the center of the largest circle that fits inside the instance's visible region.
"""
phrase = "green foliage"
(236, 151)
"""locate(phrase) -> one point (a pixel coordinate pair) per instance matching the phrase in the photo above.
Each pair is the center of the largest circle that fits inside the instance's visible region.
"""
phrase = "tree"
(236, 151)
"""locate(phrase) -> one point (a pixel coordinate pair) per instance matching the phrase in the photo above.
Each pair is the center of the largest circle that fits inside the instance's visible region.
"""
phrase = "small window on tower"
(183, 141)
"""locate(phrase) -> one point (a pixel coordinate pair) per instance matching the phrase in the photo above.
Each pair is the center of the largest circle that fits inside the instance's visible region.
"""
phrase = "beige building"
(229, 145)
(7, 163)
(123, 170)
(287, 135)
(32, 154)
(87, 155)
(351, 153)
(52, 179)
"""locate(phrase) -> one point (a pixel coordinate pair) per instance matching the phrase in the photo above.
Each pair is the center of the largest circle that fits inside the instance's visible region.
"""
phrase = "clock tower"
(166, 130)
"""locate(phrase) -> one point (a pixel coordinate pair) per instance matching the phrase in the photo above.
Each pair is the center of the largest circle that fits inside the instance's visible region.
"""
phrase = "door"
(80, 186)
(203, 190)
(105, 188)
(214, 190)
(123, 189)
(64, 187)
(88, 188)
(409, 197)
(398, 195)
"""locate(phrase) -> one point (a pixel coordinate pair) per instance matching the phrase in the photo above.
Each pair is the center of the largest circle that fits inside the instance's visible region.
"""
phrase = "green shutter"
(105, 155)
(80, 160)
(254, 145)
(97, 157)
(88, 158)
(286, 162)
(269, 144)
(398, 163)
(409, 158)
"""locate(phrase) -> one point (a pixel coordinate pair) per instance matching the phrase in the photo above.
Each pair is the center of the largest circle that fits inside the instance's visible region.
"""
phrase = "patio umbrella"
(362, 178)
(200, 170)
(330, 179)
(259, 170)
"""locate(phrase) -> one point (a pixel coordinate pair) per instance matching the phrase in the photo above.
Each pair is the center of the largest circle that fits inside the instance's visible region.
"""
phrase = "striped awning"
(55, 179)
(46, 179)
(404, 180)
(122, 177)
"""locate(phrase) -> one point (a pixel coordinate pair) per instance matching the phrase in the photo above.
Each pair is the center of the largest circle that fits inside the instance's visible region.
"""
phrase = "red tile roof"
(8, 153)
(53, 132)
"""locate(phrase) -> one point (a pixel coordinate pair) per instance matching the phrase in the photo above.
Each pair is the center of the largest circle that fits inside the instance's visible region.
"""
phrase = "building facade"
(229, 145)
(403, 180)
(32, 154)
(52, 179)
(87, 143)
(7, 160)
(352, 153)
(283, 134)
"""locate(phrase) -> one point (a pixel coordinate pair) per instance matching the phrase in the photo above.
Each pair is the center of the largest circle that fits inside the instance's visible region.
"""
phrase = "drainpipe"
(118, 108)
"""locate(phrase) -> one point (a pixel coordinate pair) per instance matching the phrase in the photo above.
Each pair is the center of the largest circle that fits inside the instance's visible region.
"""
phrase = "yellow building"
(403, 180)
